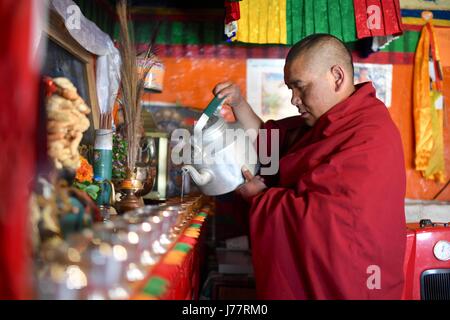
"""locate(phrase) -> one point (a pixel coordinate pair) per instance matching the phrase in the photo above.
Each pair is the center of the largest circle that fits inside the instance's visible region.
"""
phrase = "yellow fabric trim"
(174, 257)
(262, 21)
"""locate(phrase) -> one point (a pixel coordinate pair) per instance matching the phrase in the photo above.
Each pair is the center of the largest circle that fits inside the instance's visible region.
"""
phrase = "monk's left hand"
(252, 186)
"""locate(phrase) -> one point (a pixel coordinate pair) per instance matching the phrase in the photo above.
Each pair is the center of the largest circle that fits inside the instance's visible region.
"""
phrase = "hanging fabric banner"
(288, 21)
(377, 18)
(305, 17)
(428, 107)
(262, 21)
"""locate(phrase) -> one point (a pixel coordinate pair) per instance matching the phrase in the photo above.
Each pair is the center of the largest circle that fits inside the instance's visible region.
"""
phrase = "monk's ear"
(338, 76)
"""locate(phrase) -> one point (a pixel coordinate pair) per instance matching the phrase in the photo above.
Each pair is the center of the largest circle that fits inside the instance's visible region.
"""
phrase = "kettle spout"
(200, 178)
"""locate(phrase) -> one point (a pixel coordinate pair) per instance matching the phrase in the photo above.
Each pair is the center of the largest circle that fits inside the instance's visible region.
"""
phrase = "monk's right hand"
(253, 185)
(231, 92)
(241, 109)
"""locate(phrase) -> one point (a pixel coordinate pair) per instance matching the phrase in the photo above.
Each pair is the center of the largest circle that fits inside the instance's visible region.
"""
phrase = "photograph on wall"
(381, 77)
(266, 91)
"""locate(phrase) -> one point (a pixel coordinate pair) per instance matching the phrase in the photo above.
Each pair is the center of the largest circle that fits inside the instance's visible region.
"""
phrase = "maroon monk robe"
(336, 212)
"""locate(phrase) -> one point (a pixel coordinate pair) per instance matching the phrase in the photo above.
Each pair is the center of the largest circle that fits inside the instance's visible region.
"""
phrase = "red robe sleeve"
(288, 129)
(321, 236)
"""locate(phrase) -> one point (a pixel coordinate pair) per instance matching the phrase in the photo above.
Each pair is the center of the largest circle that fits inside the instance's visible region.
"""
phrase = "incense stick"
(105, 120)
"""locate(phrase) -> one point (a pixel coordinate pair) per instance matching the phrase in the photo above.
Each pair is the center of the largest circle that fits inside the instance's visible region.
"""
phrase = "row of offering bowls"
(109, 260)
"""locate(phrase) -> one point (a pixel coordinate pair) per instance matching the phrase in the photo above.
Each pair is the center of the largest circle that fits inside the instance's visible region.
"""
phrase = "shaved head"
(319, 72)
(322, 51)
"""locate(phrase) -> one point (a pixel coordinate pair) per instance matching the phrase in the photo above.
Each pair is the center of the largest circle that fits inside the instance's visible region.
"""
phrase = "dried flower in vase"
(133, 75)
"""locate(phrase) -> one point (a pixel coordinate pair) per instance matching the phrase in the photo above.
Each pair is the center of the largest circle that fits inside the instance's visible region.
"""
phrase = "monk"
(330, 224)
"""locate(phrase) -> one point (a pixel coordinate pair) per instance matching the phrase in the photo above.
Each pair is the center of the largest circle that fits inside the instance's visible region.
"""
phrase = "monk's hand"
(231, 92)
(252, 186)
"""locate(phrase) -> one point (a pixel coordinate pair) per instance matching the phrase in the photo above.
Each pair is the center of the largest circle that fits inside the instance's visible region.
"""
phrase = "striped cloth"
(262, 21)
(288, 21)
(441, 18)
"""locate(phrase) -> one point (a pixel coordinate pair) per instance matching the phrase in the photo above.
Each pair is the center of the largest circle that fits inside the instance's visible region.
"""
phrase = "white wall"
(437, 211)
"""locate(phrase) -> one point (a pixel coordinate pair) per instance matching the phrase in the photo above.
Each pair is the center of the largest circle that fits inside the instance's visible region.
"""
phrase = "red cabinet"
(427, 261)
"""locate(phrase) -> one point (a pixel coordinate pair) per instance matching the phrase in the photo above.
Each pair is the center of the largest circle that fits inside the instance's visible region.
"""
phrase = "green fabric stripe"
(203, 214)
(184, 247)
(298, 30)
(348, 20)
(162, 32)
(289, 21)
(308, 17)
(321, 16)
(143, 32)
(405, 43)
(334, 19)
(192, 33)
(177, 32)
(305, 17)
(156, 286)
(196, 225)
(208, 29)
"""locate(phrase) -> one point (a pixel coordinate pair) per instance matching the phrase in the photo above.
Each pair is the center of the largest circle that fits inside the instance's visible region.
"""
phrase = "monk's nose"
(296, 100)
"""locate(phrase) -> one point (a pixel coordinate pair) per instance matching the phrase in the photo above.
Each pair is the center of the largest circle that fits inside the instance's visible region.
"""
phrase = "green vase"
(103, 154)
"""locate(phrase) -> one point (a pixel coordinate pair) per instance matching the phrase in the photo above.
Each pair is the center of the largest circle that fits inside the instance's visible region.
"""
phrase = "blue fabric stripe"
(437, 14)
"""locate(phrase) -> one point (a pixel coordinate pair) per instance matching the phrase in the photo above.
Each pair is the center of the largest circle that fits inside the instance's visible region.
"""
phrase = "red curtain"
(377, 18)
(18, 121)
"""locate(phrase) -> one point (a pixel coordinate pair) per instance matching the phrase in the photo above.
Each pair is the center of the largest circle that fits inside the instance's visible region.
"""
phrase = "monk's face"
(313, 91)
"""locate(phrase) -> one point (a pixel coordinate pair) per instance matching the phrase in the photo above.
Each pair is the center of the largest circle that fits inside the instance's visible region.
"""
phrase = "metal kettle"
(220, 150)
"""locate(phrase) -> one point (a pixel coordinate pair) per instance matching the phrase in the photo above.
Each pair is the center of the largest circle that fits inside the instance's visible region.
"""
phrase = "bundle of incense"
(132, 82)
(105, 120)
